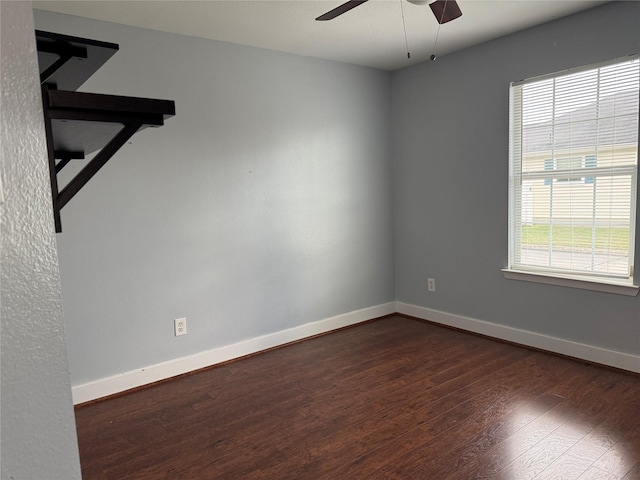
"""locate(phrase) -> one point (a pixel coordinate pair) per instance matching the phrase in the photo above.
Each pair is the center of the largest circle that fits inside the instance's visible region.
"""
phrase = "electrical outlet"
(431, 284)
(180, 326)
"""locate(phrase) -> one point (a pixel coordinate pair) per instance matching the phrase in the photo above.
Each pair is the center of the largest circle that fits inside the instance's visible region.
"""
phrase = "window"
(573, 174)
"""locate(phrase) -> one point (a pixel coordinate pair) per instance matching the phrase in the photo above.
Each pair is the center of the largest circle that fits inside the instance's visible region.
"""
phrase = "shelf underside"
(86, 122)
(83, 58)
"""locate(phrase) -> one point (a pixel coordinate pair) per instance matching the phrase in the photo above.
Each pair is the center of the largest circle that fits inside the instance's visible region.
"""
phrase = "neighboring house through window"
(573, 175)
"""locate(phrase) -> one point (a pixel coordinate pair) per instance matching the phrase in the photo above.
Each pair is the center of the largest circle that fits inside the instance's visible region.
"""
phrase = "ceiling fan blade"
(445, 10)
(345, 7)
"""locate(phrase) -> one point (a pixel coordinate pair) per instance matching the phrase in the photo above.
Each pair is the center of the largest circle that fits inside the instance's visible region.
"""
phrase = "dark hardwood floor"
(395, 398)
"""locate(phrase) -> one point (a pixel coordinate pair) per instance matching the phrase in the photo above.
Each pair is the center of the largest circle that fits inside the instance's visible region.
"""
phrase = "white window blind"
(573, 172)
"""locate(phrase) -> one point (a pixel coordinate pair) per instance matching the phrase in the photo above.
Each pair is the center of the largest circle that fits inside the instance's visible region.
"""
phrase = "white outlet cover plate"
(180, 326)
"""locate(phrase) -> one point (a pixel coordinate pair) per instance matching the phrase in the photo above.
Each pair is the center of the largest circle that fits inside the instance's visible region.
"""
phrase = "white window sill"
(585, 283)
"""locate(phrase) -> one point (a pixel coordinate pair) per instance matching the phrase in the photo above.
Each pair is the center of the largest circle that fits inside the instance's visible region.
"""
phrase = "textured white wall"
(38, 429)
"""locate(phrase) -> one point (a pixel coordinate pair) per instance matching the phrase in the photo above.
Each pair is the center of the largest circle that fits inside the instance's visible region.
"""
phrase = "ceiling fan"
(443, 10)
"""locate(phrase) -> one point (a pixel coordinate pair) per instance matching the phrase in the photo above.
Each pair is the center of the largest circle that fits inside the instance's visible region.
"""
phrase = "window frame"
(590, 281)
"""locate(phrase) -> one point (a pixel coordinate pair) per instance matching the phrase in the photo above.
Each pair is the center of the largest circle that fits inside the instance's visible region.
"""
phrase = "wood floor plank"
(447, 417)
(634, 473)
(332, 445)
(574, 462)
(392, 398)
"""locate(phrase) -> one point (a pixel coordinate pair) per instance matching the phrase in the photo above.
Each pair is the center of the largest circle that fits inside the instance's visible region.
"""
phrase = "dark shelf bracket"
(96, 163)
(53, 174)
(65, 158)
(63, 51)
(55, 66)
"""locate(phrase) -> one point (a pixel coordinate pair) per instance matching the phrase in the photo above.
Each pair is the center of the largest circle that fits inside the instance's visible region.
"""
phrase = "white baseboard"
(582, 351)
(144, 376)
(161, 371)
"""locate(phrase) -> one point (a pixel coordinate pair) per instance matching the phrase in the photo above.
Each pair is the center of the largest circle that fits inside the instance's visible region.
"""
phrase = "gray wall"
(450, 124)
(264, 204)
(38, 429)
(267, 201)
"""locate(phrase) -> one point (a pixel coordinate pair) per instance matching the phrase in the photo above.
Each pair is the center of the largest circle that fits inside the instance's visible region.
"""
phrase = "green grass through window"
(614, 238)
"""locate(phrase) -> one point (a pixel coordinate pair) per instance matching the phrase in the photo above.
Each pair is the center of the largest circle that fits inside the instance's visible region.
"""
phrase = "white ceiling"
(372, 34)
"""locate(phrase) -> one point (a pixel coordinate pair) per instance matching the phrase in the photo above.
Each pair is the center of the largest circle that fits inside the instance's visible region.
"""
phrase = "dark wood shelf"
(79, 58)
(86, 122)
(78, 123)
